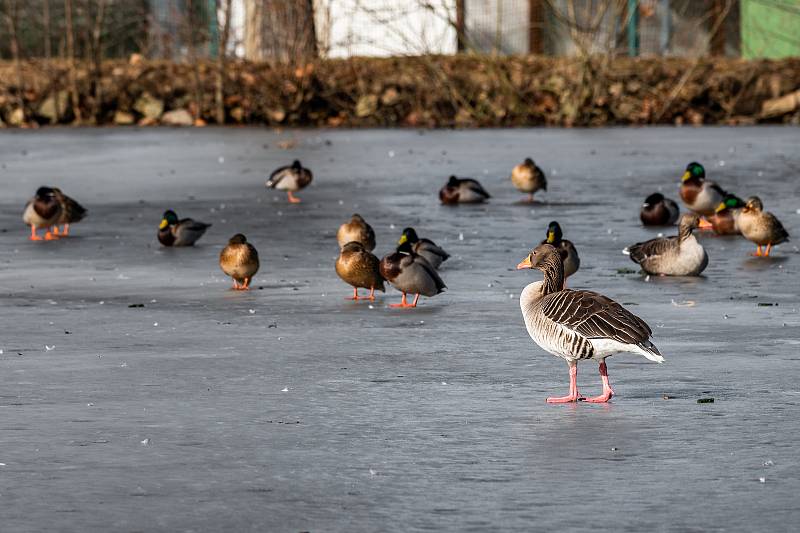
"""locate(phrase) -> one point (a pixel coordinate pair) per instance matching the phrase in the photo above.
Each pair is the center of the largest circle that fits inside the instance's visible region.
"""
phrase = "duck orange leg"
(66, 230)
(404, 302)
(52, 234)
(246, 285)
(573, 395)
(530, 198)
(355, 295)
(758, 251)
(292, 198)
(766, 252)
(34, 236)
(607, 392)
(371, 294)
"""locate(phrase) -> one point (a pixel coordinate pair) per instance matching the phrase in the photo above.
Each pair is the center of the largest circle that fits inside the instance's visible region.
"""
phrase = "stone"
(152, 108)
(16, 117)
(366, 105)
(124, 118)
(177, 117)
(54, 106)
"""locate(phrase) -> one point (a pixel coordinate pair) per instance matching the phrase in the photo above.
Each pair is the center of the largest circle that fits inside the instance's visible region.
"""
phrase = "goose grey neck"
(553, 270)
(684, 232)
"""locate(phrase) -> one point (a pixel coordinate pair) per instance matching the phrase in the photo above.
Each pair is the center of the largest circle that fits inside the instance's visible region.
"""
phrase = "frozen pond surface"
(288, 408)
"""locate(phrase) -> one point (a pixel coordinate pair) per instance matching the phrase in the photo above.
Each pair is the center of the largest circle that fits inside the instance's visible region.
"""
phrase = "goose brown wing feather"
(643, 250)
(595, 316)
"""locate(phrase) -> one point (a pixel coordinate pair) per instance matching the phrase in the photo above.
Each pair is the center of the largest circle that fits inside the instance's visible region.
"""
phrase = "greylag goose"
(410, 273)
(359, 268)
(679, 255)
(578, 324)
(761, 227)
(42, 211)
(528, 178)
(424, 247)
(291, 179)
(568, 252)
(463, 191)
(658, 211)
(699, 194)
(175, 232)
(239, 260)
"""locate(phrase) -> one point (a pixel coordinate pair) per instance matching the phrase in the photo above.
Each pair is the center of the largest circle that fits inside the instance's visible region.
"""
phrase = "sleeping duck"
(761, 227)
(463, 191)
(725, 220)
(42, 211)
(658, 211)
(359, 268)
(700, 195)
(71, 212)
(528, 178)
(424, 247)
(174, 232)
(357, 230)
(410, 274)
(291, 179)
(239, 260)
(680, 255)
(569, 254)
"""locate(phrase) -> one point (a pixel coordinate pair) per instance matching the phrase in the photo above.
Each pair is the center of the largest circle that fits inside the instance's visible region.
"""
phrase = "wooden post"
(461, 26)
(717, 27)
(535, 27)
(633, 28)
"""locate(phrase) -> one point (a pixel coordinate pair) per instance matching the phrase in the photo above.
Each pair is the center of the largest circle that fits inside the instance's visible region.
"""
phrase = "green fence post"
(633, 28)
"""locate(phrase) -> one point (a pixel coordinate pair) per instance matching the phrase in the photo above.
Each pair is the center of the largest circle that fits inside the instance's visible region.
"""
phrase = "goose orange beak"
(526, 263)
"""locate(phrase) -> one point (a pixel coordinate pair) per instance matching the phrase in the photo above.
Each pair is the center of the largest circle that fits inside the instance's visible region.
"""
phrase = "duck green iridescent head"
(169, 218)
(694, 170)
(731, 201)
(554, 233)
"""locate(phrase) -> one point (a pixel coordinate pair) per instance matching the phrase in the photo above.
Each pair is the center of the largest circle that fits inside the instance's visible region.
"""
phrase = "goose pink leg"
(573, 395)
(607, 392)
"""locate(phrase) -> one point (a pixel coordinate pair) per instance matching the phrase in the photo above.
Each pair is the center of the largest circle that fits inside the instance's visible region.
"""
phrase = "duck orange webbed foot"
(292, 198)
(704, 224)
(50, 237)
(404, 303)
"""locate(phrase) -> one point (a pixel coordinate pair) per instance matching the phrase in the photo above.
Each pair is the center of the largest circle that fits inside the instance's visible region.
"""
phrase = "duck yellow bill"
(686, 176)
(163, 224)
(526, 263)
(720, 207)
(551, 237)
(402, 240)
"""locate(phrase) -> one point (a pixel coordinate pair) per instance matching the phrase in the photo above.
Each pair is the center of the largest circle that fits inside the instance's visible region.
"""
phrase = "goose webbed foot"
(607, 391)
(574, 395)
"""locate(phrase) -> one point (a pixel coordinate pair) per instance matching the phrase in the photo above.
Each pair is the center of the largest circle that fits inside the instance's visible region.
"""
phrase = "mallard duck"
(42, 211)
(291, 178)
(357, 230)
(71, 212)
(579, 324)
(699, 194)
(569, 254)
(463, 191)
(174, 232)
(239, 260)
(410, 273)
(761, 227)
(679, 255)
(658, 211)
(424, 247)
(359, 268)
(529, 178)
(725, 220)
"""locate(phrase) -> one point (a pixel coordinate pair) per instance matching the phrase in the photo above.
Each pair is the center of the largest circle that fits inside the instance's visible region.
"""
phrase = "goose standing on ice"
(578, 324)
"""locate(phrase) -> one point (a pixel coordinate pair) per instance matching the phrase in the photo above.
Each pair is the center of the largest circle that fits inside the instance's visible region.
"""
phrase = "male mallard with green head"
(761, 227)
(239, 260)
(699, 194)
(359, 268)
(291, 179)
(42, 211)
(424, 247)
(658, 211)
(175, 232)
(569, 254)
(725, 220)
(410, 274)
